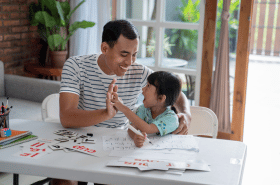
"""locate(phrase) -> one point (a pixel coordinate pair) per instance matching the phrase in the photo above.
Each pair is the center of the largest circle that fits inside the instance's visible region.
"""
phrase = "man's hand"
(184, 123)
(110, 109)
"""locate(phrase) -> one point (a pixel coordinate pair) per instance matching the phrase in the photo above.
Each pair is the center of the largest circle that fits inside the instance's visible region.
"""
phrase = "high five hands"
(110, 108)
(114, 103)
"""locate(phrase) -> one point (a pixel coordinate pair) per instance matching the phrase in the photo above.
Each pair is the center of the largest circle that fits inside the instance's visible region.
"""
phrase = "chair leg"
(15, 179)
(41, 182)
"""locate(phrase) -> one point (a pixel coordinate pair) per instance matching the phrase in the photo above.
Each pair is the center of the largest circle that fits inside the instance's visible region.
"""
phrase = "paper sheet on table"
(32, 153)
(177, 160)
(89, 149)
(39, 143)
(183, 142)
(161, 165)
(182, 155)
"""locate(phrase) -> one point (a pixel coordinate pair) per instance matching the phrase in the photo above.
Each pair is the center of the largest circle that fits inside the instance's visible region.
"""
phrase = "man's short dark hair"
(113, 29)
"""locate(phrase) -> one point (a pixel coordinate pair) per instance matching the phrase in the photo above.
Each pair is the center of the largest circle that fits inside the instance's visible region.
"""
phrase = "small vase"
(58, 58)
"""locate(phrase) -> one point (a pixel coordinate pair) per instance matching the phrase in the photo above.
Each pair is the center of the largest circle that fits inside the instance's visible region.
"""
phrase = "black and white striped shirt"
(81, 75)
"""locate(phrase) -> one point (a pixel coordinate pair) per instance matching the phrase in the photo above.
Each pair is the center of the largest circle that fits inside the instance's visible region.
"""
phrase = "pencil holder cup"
(4, 120)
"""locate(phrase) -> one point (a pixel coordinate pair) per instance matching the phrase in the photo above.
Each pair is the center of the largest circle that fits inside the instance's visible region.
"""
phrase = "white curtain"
(88, 41)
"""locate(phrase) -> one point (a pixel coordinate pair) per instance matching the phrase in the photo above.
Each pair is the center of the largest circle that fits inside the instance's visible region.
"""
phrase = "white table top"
(227, 159)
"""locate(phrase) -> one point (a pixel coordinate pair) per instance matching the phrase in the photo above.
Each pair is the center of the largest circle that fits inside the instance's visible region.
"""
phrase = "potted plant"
(53, 20)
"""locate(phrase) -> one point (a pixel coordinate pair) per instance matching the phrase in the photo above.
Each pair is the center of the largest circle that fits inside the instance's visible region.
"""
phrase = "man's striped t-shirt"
(81, 75)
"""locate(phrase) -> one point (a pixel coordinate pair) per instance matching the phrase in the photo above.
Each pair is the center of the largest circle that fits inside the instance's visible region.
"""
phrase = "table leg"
(15, 179)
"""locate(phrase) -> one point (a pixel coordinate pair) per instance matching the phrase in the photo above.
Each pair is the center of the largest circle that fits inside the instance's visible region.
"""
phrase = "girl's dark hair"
(166, 84)
(113, 29)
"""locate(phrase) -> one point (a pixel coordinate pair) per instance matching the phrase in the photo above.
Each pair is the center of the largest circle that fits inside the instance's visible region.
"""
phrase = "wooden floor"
(262, 124)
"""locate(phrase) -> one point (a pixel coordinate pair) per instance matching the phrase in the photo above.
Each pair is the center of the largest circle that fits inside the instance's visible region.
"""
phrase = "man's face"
(118, 59)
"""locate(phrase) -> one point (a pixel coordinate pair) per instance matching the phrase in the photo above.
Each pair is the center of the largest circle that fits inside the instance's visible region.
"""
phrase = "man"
(88, 82)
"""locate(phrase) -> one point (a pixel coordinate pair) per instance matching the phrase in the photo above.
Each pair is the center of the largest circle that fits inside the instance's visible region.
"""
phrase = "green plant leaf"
(233, 6)
(80, 24)
(44, 18)
(66, 9)
(54, 41)
(71, 12)
(33, 8)
(185, 42)
(184, 3)
(51, 5)
(196, 4)
(60, 12)
(174, 38)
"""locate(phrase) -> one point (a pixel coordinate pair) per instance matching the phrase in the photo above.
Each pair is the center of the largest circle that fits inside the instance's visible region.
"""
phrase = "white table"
(227, 159)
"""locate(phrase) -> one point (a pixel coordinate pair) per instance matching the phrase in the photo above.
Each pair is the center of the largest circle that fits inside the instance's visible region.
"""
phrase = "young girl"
(156, 114)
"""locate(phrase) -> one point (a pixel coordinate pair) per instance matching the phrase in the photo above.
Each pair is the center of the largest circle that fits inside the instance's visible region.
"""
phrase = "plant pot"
(58, 58)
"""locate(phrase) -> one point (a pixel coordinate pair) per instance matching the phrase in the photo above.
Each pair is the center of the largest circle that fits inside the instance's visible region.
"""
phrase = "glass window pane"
(180, 48)
(141, 10)
(147, 46)
(182, 10)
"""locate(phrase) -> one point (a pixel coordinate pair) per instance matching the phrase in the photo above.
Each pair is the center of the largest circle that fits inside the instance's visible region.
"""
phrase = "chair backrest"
(204, 122)
(50, 108)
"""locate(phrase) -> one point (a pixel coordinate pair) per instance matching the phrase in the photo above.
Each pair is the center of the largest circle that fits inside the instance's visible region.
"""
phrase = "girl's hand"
(139, 140)
(117, 102)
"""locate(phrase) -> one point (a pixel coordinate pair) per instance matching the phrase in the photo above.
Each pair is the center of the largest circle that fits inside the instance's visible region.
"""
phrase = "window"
(171, 35)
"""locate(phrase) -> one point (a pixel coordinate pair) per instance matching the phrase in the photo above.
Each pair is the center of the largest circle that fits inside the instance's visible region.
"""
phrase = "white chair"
(50, 109)
(204, 122)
